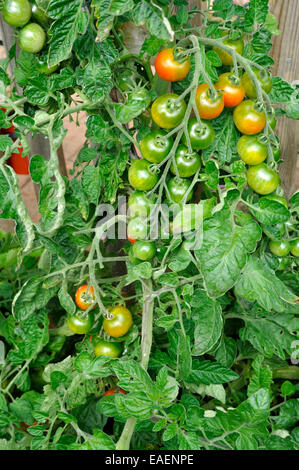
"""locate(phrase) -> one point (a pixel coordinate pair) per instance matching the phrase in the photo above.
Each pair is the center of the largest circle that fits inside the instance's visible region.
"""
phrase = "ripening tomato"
(201, 134)
(144, 250)
(32, 38)
(114, 390)
(16, 13)
(209, 106)
(263, 77)
(137, 229)
(279, 247)
(85, 297)
(187, 163)
(19, 163)
(170, 69)
(141, 176)
(295, 247)
(155, 147)
(80, 323)
(251, 149)
(168, 111)
(139, 204)
(119, 323)
(262, 179)
(236, 44)
(248, 119)
(233, 93)
(107, 348)
(177, 188)
(131, 240)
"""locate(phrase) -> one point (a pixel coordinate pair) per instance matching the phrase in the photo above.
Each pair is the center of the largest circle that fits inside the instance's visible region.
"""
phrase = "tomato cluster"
(17, 161)
(116, 324)
(17, 13)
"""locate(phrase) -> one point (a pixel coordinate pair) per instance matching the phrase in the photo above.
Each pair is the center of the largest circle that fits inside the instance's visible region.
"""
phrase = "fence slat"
(285, 52)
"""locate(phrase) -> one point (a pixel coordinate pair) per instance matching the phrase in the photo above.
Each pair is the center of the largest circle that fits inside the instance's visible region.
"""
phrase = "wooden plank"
(285, 52)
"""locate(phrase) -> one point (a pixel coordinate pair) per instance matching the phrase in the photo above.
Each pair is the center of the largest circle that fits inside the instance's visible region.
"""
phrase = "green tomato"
(42, 66)
(177, 188)
(107, 348)
(39, 16)
(140, 175)
(139, 204)
(251, 149)
(144, 250)
(201, 135)
(137, 228)
(295, 247)
(236, 45)
(16, 13)
(125, 81)
(167, 111)
(187, 164)
(262, 179)
(155, 147)
(276, 151)
(279, 247)
(263, 77)
(132, 257)
(80, 323)
(32, 38)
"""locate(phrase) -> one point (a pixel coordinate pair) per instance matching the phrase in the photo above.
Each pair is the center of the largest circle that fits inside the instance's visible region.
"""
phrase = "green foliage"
(211, 359)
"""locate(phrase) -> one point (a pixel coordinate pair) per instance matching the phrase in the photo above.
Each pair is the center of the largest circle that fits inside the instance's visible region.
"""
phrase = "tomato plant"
(150, 300)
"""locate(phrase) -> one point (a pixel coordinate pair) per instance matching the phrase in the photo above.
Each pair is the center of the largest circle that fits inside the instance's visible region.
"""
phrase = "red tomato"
(233, 94)
(131, 240)
(18, 163)
(209, 107)
(112, 391)
(170, 69)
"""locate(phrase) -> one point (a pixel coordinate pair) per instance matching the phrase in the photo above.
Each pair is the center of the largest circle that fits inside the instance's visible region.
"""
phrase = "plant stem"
(146, 344)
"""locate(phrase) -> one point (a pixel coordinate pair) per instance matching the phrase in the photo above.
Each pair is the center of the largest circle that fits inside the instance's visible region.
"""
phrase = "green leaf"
(261, 376)
(271, 335)
(258, 284)
(95, 80)
(270, 212)
(208, 323)
(64, 30)
(271, 24)
(281, 90)
(145, 13)
(31, 298)
(287, 388)
(207, 372)
(225, 142)
(170, 432)
(288, 415)
(227, 351)
(189, 441)
(224, 250)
